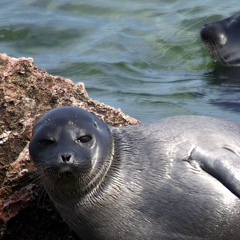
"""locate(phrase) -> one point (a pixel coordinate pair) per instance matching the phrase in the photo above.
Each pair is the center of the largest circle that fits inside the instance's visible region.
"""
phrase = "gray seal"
(222, 39)
(177, 179)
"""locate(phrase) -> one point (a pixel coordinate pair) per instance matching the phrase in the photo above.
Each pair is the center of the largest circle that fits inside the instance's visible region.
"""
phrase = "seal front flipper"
(222, 163)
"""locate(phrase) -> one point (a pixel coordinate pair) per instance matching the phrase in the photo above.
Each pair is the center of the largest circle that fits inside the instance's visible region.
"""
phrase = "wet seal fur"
(222, 39)
(177, 179)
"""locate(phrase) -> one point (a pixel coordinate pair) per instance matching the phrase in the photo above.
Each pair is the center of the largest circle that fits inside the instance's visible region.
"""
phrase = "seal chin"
(66, 175)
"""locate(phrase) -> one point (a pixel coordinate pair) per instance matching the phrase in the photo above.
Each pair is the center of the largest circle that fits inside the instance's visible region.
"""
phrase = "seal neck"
(105, 180)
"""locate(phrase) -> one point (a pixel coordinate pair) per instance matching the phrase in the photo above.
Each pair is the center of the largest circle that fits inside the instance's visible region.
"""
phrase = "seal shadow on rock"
(177, 179)
(222, 39)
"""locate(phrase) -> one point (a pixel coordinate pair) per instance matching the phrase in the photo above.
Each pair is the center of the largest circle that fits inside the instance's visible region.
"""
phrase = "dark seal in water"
(222, 39)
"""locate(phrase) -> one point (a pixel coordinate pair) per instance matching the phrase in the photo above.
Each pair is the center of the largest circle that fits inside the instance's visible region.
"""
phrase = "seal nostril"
(66, 157)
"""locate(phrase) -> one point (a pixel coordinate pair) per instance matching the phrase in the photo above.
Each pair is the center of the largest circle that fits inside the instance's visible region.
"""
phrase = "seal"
(222, 39)
(176, 179)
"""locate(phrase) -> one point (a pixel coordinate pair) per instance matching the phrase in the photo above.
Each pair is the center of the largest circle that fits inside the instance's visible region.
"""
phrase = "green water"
(144, 57)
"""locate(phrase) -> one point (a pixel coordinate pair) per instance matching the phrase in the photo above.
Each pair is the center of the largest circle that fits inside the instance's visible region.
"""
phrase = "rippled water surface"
(144, 57)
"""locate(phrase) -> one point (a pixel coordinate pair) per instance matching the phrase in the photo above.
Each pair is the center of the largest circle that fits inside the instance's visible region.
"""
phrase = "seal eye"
(46, 142)
(84, 139)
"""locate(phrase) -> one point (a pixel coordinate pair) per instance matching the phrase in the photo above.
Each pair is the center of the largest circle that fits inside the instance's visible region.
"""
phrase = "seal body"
(177, 179)
(222, 39)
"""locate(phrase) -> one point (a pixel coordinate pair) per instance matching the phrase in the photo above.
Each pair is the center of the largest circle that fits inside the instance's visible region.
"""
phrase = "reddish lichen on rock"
(26, 93)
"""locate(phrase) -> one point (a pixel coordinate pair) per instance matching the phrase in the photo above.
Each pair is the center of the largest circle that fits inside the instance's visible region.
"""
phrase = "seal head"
(68, 145)
(222, 39)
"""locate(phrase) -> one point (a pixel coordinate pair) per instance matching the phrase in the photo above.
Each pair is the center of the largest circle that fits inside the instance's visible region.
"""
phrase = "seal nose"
(213, 34)
(66, 157)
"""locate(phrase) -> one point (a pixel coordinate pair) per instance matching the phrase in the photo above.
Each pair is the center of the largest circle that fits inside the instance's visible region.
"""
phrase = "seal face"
(178, 179)
(67, 146)
(222, 40)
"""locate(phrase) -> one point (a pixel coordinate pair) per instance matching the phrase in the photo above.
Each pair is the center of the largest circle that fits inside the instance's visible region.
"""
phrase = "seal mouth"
(71, 172)
(66, 174)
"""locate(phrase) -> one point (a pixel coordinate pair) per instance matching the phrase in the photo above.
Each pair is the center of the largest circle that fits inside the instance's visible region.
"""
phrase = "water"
(144, 57)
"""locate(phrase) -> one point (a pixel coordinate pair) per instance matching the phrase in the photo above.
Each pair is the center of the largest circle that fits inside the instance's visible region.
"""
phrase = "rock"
(26, 93)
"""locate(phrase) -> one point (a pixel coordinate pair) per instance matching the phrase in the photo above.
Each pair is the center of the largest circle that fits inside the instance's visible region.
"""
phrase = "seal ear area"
(99, 125)
(95, 128)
